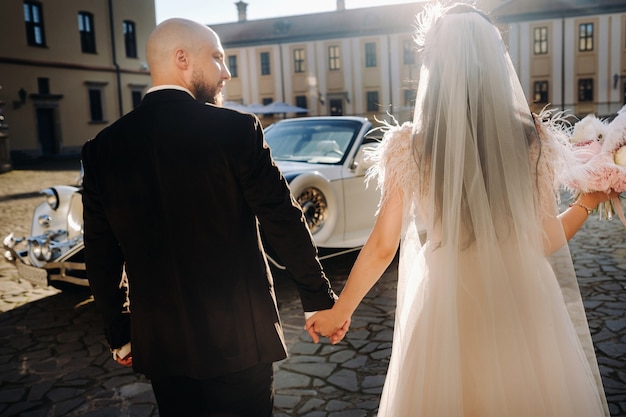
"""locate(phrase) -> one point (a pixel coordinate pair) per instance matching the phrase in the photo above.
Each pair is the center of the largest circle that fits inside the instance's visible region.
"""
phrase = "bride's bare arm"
(571, 220)
(373, 260)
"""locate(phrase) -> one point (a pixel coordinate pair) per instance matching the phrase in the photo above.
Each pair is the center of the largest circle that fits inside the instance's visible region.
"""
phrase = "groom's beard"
(209, 95)
(206, 93)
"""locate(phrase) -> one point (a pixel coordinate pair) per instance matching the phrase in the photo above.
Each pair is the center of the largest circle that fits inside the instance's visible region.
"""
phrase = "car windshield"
(313, 141)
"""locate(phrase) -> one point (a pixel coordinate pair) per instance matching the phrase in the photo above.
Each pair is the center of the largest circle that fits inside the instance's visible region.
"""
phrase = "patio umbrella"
(280, 107)
(255, 108)
(235, 106)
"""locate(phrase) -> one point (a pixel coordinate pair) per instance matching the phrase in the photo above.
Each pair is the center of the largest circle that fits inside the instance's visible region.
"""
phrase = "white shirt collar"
(170, 87)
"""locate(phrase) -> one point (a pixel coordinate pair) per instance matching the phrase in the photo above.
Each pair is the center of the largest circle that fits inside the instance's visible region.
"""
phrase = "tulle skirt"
(495, 340)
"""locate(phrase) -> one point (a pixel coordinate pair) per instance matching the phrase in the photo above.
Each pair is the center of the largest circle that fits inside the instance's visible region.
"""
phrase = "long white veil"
(479, 321)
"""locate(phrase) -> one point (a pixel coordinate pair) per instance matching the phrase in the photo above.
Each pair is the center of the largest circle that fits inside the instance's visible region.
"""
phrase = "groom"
(173, 192)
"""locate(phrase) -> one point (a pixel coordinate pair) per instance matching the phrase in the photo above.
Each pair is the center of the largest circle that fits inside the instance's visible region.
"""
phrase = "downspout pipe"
(118, 75)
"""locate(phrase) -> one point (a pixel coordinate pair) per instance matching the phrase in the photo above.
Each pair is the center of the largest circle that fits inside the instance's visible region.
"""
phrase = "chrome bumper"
(58, 270)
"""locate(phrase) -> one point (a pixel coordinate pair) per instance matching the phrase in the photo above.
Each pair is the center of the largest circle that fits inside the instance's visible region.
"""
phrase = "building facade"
(69, 68)
(570, 54)
(344, 62)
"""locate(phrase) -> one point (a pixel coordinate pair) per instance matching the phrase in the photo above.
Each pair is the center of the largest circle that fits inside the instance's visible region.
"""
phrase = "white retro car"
(322, 158)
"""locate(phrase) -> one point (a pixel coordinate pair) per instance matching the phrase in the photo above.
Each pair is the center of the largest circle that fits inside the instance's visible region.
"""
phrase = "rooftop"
(347, 23)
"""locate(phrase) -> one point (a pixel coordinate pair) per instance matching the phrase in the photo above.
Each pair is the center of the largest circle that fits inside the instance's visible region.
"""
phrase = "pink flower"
(595, 159)
(620, 156)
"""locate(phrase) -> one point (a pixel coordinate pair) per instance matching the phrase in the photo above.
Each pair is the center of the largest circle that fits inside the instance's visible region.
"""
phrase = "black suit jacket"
(174, 190)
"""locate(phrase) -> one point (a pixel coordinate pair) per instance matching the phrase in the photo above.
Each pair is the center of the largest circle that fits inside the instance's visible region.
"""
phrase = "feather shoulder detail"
(550, 155)
(394, 163)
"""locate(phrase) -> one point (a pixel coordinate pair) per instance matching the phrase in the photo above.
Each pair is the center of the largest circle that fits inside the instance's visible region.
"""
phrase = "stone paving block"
(373, 381)
(304, 359)
(335, 405)
(286, 379)
(33, 413)
(355, 412)
(311, 405)
(110, 411)
(141, 410)
(17, 409)
(345, 379)
(285, 401)
(38, 391)
(134, 389)
(11, 395)
(355, 363)
(63, 408)
(316, 414)
(304, 348)
(342, 356)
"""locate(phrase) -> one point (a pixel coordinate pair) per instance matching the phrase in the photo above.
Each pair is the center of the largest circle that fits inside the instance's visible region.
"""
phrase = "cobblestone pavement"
(53, 360)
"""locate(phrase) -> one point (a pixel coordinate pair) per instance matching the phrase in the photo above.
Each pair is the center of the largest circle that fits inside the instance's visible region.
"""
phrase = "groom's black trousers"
(247, 393)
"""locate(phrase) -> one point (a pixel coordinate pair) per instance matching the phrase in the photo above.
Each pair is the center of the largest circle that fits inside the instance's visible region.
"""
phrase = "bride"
(489, 319)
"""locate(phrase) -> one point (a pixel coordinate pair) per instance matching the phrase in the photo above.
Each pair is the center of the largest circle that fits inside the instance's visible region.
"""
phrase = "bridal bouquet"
(598, 160)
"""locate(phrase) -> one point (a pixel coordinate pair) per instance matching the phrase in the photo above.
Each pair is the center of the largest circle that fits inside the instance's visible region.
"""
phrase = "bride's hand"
(328, 323)
(592, 199)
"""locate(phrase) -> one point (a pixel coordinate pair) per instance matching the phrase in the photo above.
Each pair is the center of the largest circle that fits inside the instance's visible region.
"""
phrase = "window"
(585, 37)
(540, 89)
(541, 40)
(298, 60)
(266, 101)
(370, 55)
(301, 102)
(265, 63)
(232, 66)
(43, 85)
(95, 104)
(585, 89)
(372, 101)
(130, 40)
(334, 59)
(136, 96)
(87, 34)
(408, 52)
(33, 17)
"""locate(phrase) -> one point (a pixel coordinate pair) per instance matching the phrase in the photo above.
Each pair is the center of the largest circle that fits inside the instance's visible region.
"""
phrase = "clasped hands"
(328, 323)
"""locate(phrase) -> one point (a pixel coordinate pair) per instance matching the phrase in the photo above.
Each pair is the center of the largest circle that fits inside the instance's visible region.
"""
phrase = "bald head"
(186, 53)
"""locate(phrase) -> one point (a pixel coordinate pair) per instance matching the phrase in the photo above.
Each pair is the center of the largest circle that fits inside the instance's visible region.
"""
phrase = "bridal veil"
(489, 319)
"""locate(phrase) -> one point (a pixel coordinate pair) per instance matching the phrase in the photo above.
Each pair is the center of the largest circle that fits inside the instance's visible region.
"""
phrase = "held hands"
(328, 323)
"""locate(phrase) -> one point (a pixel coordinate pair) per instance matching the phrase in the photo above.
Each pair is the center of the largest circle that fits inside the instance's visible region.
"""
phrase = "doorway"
(336, 107)
(46, 131)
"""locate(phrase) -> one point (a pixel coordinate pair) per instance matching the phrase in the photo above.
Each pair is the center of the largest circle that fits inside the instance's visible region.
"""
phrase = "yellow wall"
(69, 70)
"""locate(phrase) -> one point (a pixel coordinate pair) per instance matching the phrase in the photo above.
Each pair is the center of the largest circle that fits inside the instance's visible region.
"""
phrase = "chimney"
(341, 5)
(241, 9)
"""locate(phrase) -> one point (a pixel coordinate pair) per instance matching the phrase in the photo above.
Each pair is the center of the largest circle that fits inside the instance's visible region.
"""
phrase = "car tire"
(319, 204)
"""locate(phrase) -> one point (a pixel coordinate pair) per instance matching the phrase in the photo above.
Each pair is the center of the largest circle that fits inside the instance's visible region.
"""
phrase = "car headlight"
(52, 197)
(9, 241)
(314, 206)
(42, 250)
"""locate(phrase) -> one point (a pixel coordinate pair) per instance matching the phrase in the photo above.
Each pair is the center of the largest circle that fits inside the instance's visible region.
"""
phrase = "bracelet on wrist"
(579, 204)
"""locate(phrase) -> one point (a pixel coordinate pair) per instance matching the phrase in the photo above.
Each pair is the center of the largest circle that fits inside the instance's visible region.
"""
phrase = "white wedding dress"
(489, 318)
(484, 336)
